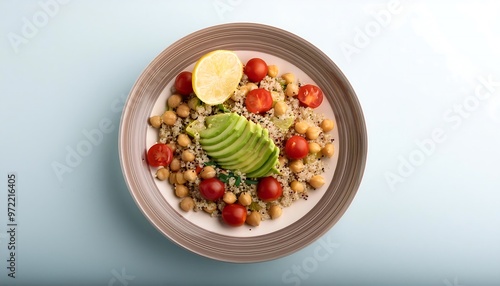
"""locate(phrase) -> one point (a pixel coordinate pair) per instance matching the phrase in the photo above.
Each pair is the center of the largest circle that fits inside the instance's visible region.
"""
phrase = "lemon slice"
(283, 123)
(216, 76)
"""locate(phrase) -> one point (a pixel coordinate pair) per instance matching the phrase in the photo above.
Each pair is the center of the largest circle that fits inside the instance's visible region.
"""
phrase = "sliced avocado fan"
(237, 144)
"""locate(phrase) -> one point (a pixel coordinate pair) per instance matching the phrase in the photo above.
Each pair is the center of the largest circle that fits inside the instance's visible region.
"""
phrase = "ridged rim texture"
(291, 48)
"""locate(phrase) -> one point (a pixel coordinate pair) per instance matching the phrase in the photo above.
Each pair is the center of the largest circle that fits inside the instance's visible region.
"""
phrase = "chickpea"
(272, 70)
(187, 204)
(169, 117)
(301, 127)
(187, 156)
(210, 208)
(275, 211)
(179, 178)
(317, 181)
(313, 132)
(190, 175)
(162, 174)
(297, 186)
(314, 148)
(172, 179)
(296, 166)
(251, 86)
(282, 161)
(328, 150)
(229, 198)
(245, 199)
(175, 165)
(183, 110)
(181, 191)
(288, 77)
(183, 140)
(207, 172)
(327, 125)
(174, 100)
(155, 121)
(292, 89)
(244, 91)
(280, 108)
(253, 218)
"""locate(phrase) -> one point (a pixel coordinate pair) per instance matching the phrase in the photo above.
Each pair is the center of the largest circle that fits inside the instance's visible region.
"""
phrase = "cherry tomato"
(269, 189)
(159, 155)
(234, 214)
(259, 100)
(310, 95)
(256, 69)
(198, 169)
(296, 147)
(212, 189)
(183, 83)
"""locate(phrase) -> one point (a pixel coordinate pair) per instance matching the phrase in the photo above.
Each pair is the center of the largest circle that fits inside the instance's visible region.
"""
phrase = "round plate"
(200, 233)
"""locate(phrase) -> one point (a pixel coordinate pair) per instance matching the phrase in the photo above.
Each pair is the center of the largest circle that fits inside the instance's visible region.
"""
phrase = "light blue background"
(438, 225)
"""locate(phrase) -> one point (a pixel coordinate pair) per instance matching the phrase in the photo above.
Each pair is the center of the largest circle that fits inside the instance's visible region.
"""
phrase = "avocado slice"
(227, 143)
(236, 143)
(264, 155)
(247, 149)
(273, 170)
(216, 124)
(268, 165)
(234, 147)
(255, 143)
(239, 120)
(257, 158)
(250, 156)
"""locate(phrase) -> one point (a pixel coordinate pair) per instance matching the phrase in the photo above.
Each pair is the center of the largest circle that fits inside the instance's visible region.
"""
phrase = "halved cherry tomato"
(212, 189)
(296, 147)
(183, 83)
(256, 69)
(159, 155)
(310, 95)
(234, 214)
(259, 100)
(269, 189)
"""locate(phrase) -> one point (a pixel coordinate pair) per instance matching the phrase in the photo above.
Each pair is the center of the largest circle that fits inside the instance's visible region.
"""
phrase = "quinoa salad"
(301, 136)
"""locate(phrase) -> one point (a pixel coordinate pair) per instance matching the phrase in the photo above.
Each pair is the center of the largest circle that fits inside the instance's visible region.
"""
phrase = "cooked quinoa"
(235, 181)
